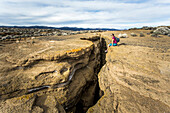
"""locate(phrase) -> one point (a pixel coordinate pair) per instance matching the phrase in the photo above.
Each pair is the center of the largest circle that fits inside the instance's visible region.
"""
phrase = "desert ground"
(66, 73)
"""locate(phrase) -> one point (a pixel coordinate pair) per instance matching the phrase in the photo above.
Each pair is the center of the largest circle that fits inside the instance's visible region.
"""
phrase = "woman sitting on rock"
(114, 42)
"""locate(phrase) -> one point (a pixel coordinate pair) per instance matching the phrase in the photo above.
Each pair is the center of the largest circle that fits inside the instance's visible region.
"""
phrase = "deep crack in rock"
(92, 59)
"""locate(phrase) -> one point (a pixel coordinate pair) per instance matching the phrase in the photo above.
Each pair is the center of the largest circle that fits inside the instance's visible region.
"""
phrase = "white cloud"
(163, 1)
(89, 13)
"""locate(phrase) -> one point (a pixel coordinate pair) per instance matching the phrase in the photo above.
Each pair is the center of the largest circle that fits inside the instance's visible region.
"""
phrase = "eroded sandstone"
(60, 74)
(135, 78)
(50, 76)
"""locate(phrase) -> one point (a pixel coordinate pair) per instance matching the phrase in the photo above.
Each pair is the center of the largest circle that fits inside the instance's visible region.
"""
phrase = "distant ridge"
(78, 29)
(61, 28)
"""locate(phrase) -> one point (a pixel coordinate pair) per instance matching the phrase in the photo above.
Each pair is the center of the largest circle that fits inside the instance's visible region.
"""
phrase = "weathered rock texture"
(135, 79)
(49, 76)
(60, 74)
(162, 31)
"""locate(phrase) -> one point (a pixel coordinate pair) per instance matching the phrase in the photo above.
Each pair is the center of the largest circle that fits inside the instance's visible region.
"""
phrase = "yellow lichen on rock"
(74, 50)
(25, 97)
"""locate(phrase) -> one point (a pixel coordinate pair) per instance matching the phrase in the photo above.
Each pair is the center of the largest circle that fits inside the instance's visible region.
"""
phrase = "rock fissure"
(67, 74)
(37, 89)
(77, 88)
(81, 107)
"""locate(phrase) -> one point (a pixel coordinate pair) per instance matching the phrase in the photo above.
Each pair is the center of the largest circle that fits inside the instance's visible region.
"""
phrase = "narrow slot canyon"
(81, 106)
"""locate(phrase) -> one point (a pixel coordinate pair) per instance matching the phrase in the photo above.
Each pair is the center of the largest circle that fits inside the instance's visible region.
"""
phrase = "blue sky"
(85, 13)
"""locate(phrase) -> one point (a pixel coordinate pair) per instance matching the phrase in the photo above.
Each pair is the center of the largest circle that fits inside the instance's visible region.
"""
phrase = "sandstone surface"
(135, 78)
(59, 74)
(53, 74)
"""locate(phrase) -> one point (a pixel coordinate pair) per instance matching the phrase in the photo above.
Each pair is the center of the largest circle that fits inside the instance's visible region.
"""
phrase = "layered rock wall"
(51, 80)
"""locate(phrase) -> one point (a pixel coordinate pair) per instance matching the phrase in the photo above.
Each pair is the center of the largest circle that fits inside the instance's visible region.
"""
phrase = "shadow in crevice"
(98, 92)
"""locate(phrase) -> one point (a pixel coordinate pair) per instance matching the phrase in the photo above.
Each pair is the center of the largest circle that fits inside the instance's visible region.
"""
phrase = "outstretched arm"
(112, 41)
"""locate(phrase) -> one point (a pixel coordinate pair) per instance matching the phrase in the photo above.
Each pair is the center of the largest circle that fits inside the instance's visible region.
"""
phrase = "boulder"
(59, 34)
(158, 36)
(73, 33)
(162, 31)
(3, 38)
(141, 35)
(64, 34)
(154, 35)
(124, 35)
(133, 34)
(148, 33)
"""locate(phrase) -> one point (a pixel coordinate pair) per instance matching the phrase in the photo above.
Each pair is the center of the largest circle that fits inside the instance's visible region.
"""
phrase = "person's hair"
(113, 34)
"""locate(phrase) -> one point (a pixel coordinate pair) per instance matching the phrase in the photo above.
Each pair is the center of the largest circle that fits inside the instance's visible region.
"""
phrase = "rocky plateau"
(73, 74)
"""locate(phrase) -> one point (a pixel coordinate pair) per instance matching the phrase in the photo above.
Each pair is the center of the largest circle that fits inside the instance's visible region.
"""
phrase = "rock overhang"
(50, 64)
